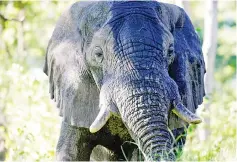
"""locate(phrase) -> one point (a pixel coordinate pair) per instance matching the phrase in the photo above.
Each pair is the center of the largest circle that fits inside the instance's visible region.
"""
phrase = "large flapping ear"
(71, 85)
(188, 67)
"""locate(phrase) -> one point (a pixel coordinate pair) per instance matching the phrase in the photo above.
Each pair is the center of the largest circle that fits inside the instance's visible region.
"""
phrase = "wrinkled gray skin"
(132, 63)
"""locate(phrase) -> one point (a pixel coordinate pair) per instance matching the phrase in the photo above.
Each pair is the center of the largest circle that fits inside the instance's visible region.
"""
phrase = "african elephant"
(124, 71)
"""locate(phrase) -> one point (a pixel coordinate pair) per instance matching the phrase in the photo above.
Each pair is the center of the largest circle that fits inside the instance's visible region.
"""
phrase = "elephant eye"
(171, 49)
(98, 54)
(171, 54)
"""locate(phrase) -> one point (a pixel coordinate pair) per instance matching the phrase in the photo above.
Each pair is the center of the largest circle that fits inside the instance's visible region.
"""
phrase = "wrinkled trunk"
(144, 110)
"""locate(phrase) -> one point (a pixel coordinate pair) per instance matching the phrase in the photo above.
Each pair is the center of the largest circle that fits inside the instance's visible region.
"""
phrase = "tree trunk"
(209, 52)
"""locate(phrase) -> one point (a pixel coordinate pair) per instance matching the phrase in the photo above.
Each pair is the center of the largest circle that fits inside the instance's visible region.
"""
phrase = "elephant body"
(123, 71)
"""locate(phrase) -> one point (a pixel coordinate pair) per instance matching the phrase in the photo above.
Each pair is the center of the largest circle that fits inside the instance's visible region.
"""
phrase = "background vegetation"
(29, 122)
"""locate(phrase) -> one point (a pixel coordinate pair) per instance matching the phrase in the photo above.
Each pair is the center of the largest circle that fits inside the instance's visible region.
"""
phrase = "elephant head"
(139, 60)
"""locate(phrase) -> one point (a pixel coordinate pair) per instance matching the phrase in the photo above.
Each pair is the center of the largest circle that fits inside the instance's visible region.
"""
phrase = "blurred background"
(29, 121)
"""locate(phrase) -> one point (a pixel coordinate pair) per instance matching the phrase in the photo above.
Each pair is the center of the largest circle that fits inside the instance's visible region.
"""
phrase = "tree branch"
(13, 19)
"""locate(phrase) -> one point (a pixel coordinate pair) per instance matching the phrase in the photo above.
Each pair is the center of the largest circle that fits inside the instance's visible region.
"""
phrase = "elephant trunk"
(145, 113)
(152, 134)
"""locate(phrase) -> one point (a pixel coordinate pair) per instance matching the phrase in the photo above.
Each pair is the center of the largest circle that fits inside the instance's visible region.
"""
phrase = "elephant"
(124, 74)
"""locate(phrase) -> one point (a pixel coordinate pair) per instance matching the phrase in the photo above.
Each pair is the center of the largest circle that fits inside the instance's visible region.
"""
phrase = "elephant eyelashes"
(98, 54)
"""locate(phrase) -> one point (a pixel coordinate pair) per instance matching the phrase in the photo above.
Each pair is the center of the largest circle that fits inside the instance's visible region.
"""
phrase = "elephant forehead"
(138, 28)
(119, 8)
(136, 23)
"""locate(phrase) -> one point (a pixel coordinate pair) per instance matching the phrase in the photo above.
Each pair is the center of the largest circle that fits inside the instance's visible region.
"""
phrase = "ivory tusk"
(181, 111)
(100, 120)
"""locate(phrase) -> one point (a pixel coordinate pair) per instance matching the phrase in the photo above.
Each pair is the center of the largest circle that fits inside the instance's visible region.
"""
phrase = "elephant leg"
(126, 151)
(111, 146)
(180, 139)
(132, 152)
(73, 144)
(101, 153)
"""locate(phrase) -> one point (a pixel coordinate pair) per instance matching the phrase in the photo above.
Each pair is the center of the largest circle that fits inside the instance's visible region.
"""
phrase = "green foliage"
(221, 144)
(31, 124)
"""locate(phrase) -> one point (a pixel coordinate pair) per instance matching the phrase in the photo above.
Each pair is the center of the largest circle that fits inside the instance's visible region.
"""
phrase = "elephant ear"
(71, 85)
(188, 67)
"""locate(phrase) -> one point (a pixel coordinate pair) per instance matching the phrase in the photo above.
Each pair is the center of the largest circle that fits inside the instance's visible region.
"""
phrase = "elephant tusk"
(181, 111)
(100, 120)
